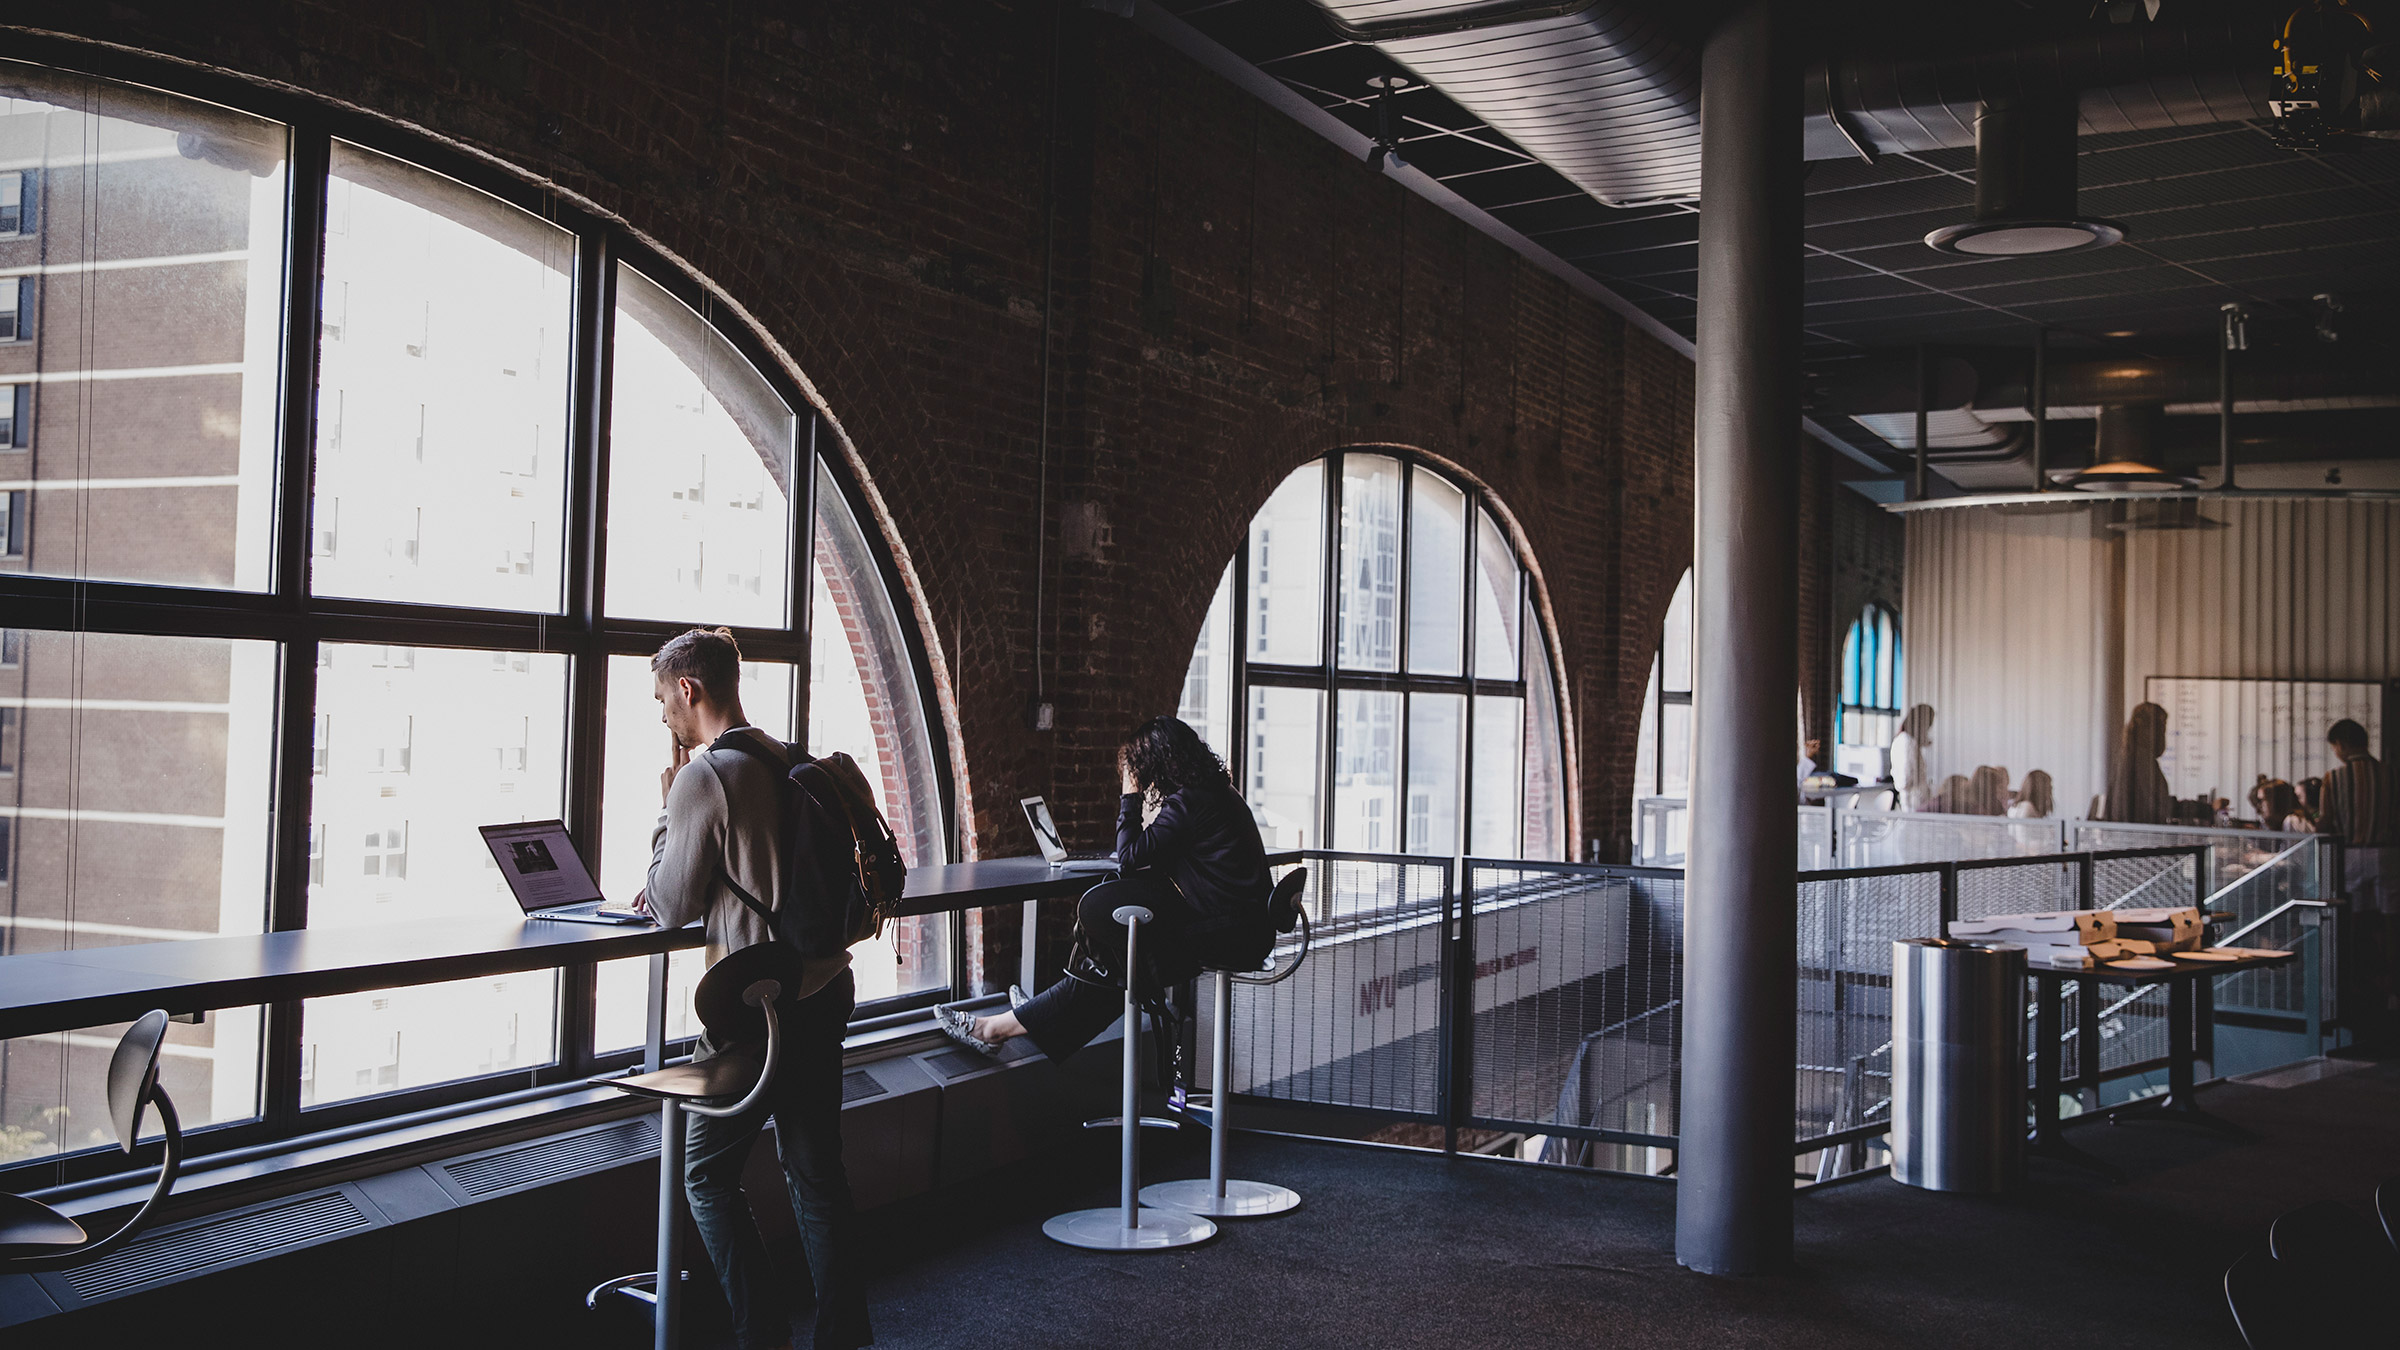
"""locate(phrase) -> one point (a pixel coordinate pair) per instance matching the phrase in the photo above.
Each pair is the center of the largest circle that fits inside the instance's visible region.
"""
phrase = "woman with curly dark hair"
(1189, 852)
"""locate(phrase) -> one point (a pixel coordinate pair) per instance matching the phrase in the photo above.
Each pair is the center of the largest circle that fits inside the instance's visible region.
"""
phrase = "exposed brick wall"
(1232, 296)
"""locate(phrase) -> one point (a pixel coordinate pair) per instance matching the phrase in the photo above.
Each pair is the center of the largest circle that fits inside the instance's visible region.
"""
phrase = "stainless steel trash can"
(1958, 1064)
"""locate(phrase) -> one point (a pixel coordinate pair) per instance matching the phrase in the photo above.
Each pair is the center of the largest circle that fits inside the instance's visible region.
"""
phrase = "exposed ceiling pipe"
(1993, 382)
(2025, 183)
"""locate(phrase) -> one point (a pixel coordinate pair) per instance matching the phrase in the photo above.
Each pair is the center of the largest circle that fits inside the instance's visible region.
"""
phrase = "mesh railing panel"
(2158, 882)
(2029, 887)
(1359, 1025)
(1846, 928)
(1894, 839)
(1577, 981)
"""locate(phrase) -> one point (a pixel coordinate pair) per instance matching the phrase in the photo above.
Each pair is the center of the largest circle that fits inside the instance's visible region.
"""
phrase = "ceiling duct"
(2124, 452)
(2025, 183)
(1607, 92)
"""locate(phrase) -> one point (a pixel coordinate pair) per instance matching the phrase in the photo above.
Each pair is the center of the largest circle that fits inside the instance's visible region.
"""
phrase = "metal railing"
(1537, 999)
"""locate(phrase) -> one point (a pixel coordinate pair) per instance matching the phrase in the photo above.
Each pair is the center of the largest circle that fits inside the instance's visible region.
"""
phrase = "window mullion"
(1329, 721)
(587, 665)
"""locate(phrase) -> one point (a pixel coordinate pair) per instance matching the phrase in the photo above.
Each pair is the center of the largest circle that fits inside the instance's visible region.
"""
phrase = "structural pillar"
(1733, 1195)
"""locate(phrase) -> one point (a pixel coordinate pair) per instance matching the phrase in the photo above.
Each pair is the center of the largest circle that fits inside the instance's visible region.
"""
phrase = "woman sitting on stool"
(1198, 866)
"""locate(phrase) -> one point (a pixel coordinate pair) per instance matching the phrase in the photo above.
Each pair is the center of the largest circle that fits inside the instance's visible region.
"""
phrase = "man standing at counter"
(720, 830)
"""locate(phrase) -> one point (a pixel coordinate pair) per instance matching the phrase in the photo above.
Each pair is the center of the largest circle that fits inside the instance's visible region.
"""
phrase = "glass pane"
(1675, 639)
(1366, 770)
(1853, 691)
(1287, 734)
(1496, 826)
(699, 471)
(1207, 702)
(1545, 770)
(1495, 601)
(1287, 571)
(149, 378)
(1675, 750)
(134, 779)
(1437, 561)
(1887, 655)
(415, 748)
(1369, 623)
(1435, 723)
(632, 752)
(442, 395)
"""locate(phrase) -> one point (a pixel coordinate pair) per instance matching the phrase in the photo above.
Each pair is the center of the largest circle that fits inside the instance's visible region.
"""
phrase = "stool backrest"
(727, 999)
(133, 1074)
(1283, 903)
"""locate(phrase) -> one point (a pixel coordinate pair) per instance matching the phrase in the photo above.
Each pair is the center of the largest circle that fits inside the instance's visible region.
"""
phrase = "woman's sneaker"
(959, 1025)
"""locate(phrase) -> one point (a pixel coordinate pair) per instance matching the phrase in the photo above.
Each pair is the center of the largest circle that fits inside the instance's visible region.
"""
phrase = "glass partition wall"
(348, 489)
(1415, 712)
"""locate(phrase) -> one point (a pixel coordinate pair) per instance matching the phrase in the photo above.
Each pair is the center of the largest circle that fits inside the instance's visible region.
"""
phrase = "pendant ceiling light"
(2122, 454)
(2025, 184)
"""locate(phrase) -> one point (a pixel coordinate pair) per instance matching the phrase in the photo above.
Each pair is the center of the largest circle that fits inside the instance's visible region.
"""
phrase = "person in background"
(2277, 806)
(2358, 811)
(1987, 794)
(1197, 865)
(2137, 788)
(1910, 781)
(1808, 758)
(2032, 799)
(1954, 797)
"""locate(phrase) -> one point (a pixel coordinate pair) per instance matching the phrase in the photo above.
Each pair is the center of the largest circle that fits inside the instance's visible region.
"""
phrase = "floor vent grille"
(546, 1160)
(858, 1085)
(176, 1253)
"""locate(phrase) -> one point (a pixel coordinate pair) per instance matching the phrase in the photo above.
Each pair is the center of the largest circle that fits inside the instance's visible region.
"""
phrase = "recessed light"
(2120, 333)
(2002, 238)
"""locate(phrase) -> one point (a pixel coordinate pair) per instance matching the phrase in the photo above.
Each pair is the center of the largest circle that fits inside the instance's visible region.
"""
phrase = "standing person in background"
(2358, 811)
(1910, 781)
(2032, 800)
(2137, 787)
(719, 828)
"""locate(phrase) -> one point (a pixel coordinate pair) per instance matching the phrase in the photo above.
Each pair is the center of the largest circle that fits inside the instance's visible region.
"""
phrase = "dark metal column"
(1733, 1195)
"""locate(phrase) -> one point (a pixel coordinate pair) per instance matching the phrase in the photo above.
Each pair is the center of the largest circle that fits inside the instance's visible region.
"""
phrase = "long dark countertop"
(43, 992)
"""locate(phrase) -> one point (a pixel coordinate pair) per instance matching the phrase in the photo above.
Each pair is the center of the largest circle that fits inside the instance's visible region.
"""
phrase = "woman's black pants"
(1064, 1018)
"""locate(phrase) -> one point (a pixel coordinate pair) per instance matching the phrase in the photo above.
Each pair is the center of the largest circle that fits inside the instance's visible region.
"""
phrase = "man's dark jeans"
(806, 1102)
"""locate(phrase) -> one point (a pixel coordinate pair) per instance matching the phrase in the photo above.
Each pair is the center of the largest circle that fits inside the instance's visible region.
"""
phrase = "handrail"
(2255, 924)
(2303, 841)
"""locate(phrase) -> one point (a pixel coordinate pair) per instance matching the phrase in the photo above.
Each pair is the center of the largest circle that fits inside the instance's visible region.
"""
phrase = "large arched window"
(1871, 679)
(348, 488)
(1413, 713)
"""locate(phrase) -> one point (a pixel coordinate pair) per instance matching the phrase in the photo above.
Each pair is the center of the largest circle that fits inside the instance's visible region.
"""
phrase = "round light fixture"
(2023, 238)
(2127, 475)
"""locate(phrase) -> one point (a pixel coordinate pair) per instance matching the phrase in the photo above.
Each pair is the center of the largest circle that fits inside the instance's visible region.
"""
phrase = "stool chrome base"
(641, 1288)
(1104, 1230)
(1242, 1199)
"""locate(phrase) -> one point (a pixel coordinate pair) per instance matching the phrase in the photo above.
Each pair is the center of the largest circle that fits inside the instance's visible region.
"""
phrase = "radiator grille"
(547, 1160)
(858, 1085)
(175, 1254)
(958, 1063)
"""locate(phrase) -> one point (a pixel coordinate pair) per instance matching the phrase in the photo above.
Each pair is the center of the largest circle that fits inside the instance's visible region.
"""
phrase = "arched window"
(1871, 679)
(1662, 758)
(1415, 712)
(349, 486)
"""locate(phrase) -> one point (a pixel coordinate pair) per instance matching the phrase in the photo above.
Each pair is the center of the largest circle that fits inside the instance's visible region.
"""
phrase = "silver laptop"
(548, 877)
(1045, 833)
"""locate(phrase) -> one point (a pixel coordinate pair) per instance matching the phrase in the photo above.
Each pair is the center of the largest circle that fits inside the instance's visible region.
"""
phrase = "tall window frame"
(1228, 651)
(288, 613)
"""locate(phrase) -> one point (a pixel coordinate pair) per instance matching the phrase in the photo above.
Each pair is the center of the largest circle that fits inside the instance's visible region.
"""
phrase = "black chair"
(34, 1236)
(736, 1003)
(2266, 1306)
(2331, 1268)
(1219, 1197)
(2336, 1242)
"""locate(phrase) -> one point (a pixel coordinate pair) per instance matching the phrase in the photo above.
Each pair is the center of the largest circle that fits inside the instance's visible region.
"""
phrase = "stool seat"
(728, 1073)
(31, 1228)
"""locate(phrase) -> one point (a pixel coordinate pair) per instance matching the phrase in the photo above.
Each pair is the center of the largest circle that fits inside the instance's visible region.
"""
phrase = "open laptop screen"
(543, 869)
(1045, 830)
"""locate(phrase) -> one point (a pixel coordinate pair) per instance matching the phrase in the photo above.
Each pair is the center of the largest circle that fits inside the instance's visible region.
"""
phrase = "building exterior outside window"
(1420, 715)
(454, 639)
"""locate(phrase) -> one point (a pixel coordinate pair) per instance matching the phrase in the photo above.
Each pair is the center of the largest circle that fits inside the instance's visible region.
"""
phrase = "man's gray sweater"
(721, 816)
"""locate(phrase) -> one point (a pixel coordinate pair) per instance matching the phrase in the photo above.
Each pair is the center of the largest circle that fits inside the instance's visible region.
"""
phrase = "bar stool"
(34, 1236)
(736, 1002)
(1218, 1197)
(1127, 1226)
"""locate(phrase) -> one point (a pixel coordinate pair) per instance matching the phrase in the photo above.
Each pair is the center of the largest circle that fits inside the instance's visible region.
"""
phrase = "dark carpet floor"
(1395, 1249)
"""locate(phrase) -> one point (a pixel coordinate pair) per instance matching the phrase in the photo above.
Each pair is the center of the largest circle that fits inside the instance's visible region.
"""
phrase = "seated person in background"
(1954, 797)
(2277, 806)
(1987, 793)
(2032, 799)
(1198, 866)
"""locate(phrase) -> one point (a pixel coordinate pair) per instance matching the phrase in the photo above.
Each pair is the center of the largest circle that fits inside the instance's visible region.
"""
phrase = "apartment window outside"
(14, 218)
(16, 309)
(1429, 722)
(441, 470)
